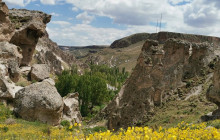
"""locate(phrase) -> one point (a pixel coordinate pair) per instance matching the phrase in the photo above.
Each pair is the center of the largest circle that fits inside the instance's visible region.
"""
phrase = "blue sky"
(100, 22)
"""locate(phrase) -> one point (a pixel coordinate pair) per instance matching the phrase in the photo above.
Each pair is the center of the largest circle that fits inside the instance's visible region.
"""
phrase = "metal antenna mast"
(160, 21)
(157, 25)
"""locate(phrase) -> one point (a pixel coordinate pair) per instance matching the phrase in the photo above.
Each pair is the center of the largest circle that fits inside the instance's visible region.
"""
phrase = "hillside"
(83, 51)
(172, 91)
(125, 51)
(119, 57)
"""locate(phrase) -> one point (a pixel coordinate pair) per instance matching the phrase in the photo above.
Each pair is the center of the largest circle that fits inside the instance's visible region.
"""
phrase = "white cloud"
(202, 14)
(21, 3)
(61, 23)
(54, 14)
(75, 9)
(48, 2)
(196, 17)
(129, 12)
(86, 19)
(83, 34)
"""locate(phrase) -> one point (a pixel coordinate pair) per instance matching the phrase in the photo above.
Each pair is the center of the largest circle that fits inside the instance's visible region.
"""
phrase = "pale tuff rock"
(71, 111)
(39, 101)
(39, 72)
(213, 93)
(31, 26)
(9, 66)
(6, 29)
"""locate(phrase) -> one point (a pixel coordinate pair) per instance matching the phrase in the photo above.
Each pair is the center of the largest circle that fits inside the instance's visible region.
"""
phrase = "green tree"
(66, 83)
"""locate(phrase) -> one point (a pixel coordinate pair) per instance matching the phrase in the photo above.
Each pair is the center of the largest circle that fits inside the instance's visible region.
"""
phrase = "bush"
(65, 123)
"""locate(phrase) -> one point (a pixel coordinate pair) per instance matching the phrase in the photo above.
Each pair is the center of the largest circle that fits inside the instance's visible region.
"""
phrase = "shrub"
(65, 123)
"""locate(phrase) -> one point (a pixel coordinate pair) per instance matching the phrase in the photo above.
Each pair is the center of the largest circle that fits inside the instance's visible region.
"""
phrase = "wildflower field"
(17, 129)
(183, 131)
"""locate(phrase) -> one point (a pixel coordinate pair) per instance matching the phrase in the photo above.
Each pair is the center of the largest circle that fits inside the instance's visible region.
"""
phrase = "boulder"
(39, 102)
(4, 90)
(8, 88)
(71, 110)
(40, 72)
(50, 80)
(13, 70)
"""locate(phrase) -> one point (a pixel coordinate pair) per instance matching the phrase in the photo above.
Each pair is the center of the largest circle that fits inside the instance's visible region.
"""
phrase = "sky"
(100, 22)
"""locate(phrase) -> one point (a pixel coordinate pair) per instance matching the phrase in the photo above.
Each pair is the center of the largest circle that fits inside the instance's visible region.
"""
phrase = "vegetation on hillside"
(92, 86)
(17, 129)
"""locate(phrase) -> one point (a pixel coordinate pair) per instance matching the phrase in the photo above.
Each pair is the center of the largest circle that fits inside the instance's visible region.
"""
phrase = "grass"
(23, 81)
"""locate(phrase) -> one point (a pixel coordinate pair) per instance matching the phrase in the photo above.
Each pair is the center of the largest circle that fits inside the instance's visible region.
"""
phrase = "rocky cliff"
(28, 58)
(170, 66)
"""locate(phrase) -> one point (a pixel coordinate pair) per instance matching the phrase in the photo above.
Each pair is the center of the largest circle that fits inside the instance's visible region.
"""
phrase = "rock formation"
(161, 69)
(213, 92)
(9, 71)
(6, 29)
(39, 72)
(30, 26)
(71, 111)
(28, 55)
(39, 101)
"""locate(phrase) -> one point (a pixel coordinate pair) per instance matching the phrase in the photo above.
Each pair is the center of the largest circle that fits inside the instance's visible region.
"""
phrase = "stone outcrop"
(9, 51)
(10, 58)
(53, 56)
(39, 101)
(39, 72)
(71, 110)
(31, 25)
(214, 90)
(13, 70)
(161, 69)
(6, 29)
